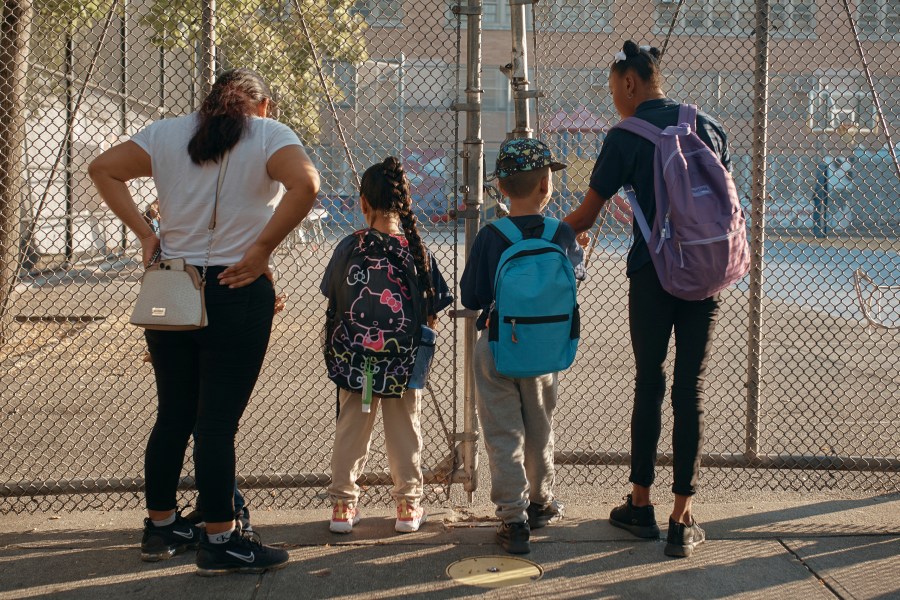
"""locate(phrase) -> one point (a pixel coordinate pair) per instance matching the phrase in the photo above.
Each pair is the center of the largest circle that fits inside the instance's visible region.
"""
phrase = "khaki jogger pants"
(402, 440)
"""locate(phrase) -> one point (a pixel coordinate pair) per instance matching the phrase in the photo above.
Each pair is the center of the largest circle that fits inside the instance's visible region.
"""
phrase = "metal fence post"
(517, 70)
(208, 46)
(758, 215)
(473, 194)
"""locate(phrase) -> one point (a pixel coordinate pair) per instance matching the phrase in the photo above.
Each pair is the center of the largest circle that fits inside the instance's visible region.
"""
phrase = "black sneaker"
(513, 537)
(682, 539)
(240, 554)
(243, 517)
(195, 517)
(639, 520)
(161, 543)
(541, 515)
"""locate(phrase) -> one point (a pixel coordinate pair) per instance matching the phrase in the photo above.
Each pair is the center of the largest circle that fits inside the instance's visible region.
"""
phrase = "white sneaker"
(410, 517)
(343, 517)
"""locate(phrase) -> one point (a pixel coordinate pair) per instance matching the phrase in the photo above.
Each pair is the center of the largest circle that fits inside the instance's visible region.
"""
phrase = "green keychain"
(369, 374)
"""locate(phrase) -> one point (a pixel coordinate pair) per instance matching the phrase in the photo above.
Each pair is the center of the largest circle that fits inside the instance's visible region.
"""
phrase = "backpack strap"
(687, 114)
(507, 230)
(638, 213)
(551, 226)
(640, 127)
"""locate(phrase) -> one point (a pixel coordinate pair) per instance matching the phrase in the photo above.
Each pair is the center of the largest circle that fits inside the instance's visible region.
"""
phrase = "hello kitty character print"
(375, 315)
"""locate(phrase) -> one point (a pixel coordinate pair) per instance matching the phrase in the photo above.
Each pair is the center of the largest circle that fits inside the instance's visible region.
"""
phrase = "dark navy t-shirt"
(476, 288)
(627, 158)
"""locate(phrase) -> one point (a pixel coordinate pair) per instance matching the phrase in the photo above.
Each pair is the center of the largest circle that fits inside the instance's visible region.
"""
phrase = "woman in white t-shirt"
(204, 377)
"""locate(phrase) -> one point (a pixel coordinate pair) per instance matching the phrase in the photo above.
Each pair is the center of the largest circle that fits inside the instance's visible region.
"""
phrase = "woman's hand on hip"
(254, 263)
(149, 248)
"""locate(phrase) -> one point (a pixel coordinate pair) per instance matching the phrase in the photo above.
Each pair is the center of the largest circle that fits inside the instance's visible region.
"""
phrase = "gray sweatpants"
(517, 422)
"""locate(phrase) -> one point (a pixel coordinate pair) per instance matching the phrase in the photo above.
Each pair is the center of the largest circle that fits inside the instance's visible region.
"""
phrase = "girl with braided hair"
(391, 241)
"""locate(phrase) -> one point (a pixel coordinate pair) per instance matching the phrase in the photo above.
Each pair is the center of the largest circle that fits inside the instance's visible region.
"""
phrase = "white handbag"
(172, 294)
(171, 297)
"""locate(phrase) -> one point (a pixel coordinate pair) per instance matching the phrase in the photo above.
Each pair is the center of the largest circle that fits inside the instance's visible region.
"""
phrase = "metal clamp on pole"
(465, 106)
(526, 94)
(456, 9)
(468, 213)
(466, 436)
(463, 313)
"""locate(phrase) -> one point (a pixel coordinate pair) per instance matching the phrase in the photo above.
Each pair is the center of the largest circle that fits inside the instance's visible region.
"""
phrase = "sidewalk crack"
(812, 571)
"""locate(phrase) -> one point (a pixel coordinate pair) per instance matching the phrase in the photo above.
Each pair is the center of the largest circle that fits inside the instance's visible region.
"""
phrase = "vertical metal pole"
(401, 106)
(518, 73)
(123, 90)
(162, 81)
(69, 148)
(473, 195)
(757, 237)
(208, 46)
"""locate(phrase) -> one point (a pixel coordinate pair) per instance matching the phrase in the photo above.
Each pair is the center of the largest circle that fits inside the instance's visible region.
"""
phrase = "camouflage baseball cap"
(525, 154)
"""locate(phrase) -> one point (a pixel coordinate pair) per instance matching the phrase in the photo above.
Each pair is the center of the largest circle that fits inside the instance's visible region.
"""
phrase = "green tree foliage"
(267, 36)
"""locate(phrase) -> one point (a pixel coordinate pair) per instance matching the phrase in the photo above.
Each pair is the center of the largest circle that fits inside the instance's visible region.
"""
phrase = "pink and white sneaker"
(343, 517)
(410, 517)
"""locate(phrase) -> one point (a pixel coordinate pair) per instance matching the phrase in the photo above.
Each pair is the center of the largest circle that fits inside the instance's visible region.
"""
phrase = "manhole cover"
(494, 571)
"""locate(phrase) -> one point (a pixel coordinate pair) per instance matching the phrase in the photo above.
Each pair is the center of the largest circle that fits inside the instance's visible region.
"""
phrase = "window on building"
(720, 17)
(575, 15)
(793, 18)
(495, 14)
(830, 108)
(497, 93)
(879, 18)
(566, 89)
(344, 77)
(429, 84)
(735, 94)
(381, 12)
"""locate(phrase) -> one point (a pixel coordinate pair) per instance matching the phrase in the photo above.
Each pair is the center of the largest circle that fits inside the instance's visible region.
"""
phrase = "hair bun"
(630, 48)
(654, 52)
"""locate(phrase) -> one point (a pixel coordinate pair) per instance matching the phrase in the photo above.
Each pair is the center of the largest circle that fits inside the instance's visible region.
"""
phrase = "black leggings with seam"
(653, 315)
(204, 379)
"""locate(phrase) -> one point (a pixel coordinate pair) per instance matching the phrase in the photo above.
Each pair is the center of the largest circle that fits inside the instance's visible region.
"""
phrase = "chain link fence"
(805, 374)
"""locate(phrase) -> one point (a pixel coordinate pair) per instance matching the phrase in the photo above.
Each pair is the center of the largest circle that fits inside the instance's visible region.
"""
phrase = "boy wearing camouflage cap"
(516, 413)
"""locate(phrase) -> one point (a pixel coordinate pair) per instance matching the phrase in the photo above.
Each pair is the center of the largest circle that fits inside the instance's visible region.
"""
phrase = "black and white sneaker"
(541, 515)
(161, 543)
(240, 554)
(514, 537)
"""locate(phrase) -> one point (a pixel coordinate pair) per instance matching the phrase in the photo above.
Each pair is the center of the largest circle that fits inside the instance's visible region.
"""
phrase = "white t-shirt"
(187, 191)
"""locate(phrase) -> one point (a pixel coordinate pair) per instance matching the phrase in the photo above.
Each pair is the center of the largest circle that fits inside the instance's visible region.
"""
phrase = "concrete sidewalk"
(826, 548)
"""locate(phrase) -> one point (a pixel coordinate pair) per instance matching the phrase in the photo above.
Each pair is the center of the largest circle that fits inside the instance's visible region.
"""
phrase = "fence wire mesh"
(360, 80)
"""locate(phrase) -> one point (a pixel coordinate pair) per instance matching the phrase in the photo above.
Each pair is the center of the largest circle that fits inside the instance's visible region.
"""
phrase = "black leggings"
(653, 313)
(204, 379)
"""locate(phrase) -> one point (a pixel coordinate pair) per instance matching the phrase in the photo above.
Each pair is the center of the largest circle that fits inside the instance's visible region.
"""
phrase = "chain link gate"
(358, 81)
(804, 376)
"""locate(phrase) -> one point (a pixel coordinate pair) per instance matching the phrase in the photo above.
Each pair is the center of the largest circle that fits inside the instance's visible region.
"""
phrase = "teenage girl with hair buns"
(635, 83)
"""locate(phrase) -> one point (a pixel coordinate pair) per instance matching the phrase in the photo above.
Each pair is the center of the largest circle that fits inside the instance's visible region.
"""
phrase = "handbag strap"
(223, 164)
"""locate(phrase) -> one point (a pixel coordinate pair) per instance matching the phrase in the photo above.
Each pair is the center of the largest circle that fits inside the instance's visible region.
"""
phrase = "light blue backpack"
(534, 322)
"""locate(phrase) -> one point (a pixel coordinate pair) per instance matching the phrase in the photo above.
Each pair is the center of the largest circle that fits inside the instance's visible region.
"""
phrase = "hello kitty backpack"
(375, 316)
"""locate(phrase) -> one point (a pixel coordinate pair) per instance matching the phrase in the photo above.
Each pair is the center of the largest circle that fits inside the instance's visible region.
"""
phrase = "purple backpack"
(699, 240)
